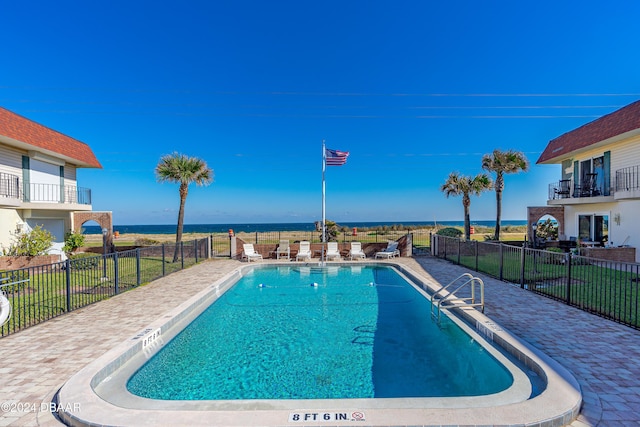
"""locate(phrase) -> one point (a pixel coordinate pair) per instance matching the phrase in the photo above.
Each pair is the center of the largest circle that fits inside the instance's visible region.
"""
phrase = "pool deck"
(602, 355)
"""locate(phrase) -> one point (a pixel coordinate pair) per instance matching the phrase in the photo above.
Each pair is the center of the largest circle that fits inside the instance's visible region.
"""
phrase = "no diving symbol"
(357, 416)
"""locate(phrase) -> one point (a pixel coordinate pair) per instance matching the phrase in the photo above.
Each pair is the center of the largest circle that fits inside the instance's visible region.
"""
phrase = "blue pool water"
(311, 333)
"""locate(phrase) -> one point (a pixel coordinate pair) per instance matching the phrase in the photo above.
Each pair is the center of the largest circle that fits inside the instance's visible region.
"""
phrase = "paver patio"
(603, 356)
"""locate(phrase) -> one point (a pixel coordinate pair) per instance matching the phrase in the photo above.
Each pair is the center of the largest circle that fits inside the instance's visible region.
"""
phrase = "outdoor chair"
(390, 251)
(332, 251)
(563, 190)
(304, 252)
(588, 186)
(356, 251)
(250, 253)
(283, 249)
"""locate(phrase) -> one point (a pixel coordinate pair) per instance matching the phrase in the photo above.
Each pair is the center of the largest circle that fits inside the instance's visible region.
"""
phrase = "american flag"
(335, 157)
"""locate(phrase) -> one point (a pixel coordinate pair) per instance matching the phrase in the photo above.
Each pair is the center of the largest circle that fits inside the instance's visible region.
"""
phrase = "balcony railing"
(628, 179)
(566, 188)
(9, 186)
(52, 193)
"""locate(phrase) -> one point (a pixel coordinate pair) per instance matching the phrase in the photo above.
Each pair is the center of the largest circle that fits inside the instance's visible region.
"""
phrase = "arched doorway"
(535, 214)
(104, 219)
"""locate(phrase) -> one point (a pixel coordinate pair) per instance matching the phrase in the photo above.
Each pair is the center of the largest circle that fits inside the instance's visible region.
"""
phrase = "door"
(54, 226)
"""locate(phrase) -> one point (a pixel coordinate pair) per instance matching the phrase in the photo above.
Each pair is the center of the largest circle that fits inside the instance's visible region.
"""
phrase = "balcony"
(51, 193)
(14, 194)
(589, 190)
(628, 183)
(9, 190)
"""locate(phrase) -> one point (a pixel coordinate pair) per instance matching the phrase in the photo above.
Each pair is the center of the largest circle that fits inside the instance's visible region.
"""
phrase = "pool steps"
(442, 298)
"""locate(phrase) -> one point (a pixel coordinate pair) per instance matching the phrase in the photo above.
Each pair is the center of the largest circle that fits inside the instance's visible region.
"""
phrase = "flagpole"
(324, 234)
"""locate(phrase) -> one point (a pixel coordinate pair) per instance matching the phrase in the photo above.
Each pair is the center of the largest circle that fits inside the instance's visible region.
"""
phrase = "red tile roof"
(620, 121)
(48, 140)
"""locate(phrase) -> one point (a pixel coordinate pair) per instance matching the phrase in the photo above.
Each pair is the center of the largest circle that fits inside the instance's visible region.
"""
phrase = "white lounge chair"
(390, 251)
(332, 251)
(250, 253)
(304, 252)
(283, 249)
(356, 251)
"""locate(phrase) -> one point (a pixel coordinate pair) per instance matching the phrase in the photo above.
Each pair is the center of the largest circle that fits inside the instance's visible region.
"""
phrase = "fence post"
(568, 259)
(476, 244)
(522, 258)
(163, 261)
(181, 255)
(459, 244)
(137, 266)
(256, 237)
(445, 240)
(195, 250)
(501, 262)
(67, 269)
(116, 273)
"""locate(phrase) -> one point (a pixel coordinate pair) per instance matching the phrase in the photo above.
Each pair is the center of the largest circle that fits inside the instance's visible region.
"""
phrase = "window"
(45, 181)
(594, 228)
(592, 176)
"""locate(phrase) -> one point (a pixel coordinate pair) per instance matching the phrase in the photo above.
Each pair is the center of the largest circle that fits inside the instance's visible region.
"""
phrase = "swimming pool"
(322, 333)
(101, 388)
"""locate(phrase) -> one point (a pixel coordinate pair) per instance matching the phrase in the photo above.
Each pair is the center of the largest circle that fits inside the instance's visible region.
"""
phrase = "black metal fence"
(607, 288)
(40, 293)
(221, 242)
(373, 236)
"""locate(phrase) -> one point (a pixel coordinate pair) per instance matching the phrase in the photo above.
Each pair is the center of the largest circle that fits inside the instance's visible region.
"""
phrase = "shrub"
(13, 276)
(144, 241)
(72, 241)
(84, 261)
(547, 230)
(554, 250)
(33, 243)
(449, 232)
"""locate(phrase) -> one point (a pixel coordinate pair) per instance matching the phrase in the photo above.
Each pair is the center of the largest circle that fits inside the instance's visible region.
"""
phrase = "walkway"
(603, 356)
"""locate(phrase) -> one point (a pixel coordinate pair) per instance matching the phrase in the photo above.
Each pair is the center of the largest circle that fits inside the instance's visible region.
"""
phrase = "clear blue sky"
(413, 89)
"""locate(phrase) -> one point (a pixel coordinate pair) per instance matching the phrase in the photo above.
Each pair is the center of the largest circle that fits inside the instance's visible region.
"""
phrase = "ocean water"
(289, 226)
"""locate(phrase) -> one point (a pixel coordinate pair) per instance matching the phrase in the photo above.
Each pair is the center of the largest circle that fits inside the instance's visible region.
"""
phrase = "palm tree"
(183, 170)
(502, 162)
(458, 184)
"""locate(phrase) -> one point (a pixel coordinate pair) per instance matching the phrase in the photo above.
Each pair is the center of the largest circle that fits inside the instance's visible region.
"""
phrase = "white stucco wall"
(629, 226)
(8, 221)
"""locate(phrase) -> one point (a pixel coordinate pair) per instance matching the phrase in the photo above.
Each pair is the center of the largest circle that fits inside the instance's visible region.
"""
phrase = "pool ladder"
(442, 298)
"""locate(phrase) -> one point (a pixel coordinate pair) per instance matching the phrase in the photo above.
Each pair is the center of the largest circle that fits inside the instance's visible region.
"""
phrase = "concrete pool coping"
(558, 404)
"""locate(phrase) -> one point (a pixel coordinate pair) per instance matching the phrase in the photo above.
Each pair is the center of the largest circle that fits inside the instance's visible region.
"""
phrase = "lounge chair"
(283, 249)
(332, 251)
(304, 252)
(249, 253)
(390, 251)
(356, 251)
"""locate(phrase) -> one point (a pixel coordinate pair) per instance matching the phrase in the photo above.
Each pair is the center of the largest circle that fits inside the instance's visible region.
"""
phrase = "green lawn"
(595, 288)
(50, 292)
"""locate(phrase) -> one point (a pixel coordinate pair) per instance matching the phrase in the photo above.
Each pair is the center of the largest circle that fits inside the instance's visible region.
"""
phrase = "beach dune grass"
(372, 235)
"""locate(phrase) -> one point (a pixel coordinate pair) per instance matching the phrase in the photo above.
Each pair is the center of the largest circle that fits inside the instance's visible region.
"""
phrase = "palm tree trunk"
(498, 213)
(467, 223)
(183, 199)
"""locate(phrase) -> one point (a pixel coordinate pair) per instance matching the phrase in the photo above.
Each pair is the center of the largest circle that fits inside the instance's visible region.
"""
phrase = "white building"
(597, 196)
(38, 184)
